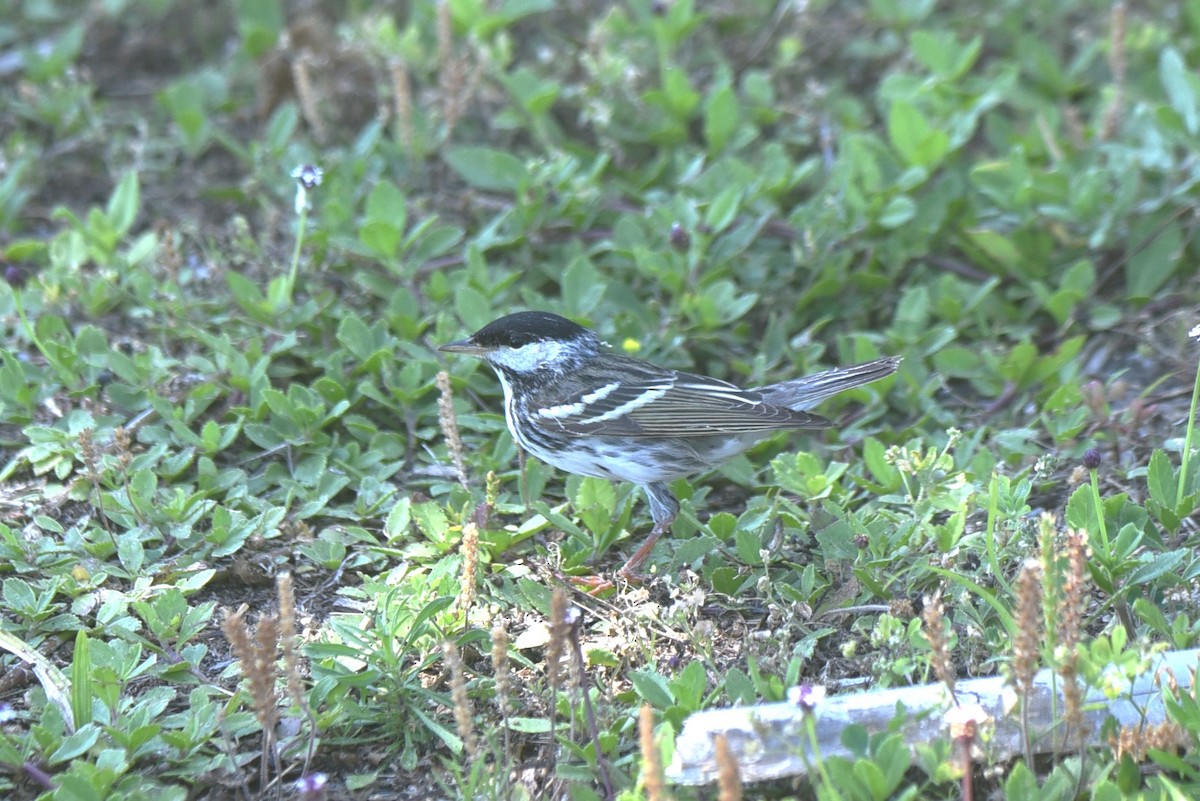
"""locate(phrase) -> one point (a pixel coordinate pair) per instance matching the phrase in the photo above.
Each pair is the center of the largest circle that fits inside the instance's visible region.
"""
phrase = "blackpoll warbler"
(584, 409)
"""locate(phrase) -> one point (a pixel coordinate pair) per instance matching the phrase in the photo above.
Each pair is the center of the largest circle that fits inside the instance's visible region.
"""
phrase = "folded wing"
(669, 405)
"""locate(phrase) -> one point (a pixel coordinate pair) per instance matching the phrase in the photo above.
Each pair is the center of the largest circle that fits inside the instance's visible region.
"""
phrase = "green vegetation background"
(209, 381)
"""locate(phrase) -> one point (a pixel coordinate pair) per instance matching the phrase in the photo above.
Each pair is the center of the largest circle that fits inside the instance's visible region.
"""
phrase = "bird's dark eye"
(517, 339)
(506, 339)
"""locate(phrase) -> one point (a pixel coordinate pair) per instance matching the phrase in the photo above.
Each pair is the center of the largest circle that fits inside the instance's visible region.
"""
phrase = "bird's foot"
(630, 571)
(592, 585)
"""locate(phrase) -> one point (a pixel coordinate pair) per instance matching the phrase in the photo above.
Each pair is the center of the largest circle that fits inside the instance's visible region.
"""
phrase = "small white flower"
(311, 786)
(308, 176)
(806, 696)
(964, 721)
(1195, 333)
(1113, 683)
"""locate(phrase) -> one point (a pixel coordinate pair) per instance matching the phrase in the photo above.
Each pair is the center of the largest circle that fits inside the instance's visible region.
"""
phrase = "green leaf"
(143, 488)
(1180, 88)
(582, 285)
(1021, 784)
(535, 94)
(723, 209)
(652, 688)
(210, 436)
(356, 336)
(872, 778)
(875, 457)
(899, 211)
(681, 99)
(387, 203)
(1150, 267)
(748, 543)
(1160, 479)
(722, 525)
(893, 759)
(1155, 566)
(246, 293)
(1076, 286)
(530, 725)
(501, 15)
(1148, 611)
(856, 739)
(987, 596)
(75, 745)
(444, 734)
(942, 54)
(434, 242)
(1105, 790)
(488, 168)
(81, 680)
(690, 686)
(917, 142)
(123, 205)
(259, 22)
(958, 362)
(42, 66)
(386, 215)
(432, 521)
(472, 307)
(738, 687)
(1081, 509)
(381, 238)
(720, 119)
(131, 552)
(596, 493)
(92, 345)
(1019, 361)
(283, 123)
(398, 519)
(997, 247)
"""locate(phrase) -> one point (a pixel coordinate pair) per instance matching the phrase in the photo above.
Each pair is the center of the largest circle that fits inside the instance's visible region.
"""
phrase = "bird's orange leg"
(630, 571)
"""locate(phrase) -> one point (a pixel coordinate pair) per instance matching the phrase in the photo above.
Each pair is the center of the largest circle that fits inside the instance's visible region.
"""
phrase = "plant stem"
(1181, 487)
(1100, 512)
(296, 253)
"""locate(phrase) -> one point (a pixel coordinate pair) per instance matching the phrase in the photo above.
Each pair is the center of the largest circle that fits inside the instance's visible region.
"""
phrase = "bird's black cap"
(522, 328)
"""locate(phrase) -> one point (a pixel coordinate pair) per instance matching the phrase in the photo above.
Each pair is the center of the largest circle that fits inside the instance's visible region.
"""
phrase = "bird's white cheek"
(527, 358)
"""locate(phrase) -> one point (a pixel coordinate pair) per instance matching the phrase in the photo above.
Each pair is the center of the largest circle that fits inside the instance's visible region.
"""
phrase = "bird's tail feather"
(804, 393)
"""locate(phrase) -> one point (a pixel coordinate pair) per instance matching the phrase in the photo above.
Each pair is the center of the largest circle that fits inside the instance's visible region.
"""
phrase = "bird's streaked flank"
(586, 410)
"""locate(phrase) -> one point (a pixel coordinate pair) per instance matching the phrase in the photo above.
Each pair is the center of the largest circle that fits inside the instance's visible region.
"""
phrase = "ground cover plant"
(259, 539)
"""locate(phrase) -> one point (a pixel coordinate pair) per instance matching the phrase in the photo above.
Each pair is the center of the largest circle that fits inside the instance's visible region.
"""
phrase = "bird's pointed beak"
(464, 346)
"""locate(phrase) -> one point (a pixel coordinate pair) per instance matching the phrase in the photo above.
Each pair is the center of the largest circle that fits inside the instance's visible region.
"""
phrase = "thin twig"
(575, 623)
